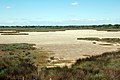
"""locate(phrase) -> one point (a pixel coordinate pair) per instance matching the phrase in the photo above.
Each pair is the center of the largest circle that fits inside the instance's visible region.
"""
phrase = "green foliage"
(21, 60)
(17, 62)
(16, 67)
(8, 47)
(107, 27)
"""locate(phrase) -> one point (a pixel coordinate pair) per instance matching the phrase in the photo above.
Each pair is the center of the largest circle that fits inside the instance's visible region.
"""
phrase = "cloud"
(74, 3)
(70, 21)
(8, 7)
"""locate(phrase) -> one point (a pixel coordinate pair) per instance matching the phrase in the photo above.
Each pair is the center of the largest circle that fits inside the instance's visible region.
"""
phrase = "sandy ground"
(64, 44)
(76, 51)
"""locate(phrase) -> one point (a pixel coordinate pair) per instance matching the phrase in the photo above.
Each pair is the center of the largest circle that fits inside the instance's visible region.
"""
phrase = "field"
(59, 54)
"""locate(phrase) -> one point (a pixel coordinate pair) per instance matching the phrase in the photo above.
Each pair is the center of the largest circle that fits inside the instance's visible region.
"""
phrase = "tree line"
(110, 26)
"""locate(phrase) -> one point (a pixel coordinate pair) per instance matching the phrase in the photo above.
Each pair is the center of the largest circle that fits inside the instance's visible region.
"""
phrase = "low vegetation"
(21, 61)
(16, 46)
(25, 62)
(13, 66)
(101, 67)
(14, 34)
(109, 40)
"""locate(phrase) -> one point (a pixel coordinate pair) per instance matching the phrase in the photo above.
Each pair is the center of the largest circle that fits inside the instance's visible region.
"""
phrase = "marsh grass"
(18, 61)
(21, 60)
(14, 46)
(109, 40)
(99, 67)
(14, 34)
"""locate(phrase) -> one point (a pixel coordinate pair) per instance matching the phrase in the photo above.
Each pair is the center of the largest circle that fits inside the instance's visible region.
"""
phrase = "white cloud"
(8, 7)
(74, 3)
(70, 21)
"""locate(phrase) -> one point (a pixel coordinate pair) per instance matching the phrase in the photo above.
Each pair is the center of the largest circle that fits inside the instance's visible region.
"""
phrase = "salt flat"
(64, 44)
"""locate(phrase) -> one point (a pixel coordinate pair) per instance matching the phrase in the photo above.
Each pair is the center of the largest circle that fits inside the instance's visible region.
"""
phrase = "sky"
(59, 12)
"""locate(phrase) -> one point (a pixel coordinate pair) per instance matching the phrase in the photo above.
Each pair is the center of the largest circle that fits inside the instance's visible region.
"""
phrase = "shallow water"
(64, 43)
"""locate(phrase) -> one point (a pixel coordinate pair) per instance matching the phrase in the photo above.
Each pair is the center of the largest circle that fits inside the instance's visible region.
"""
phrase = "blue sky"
(59, 12)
